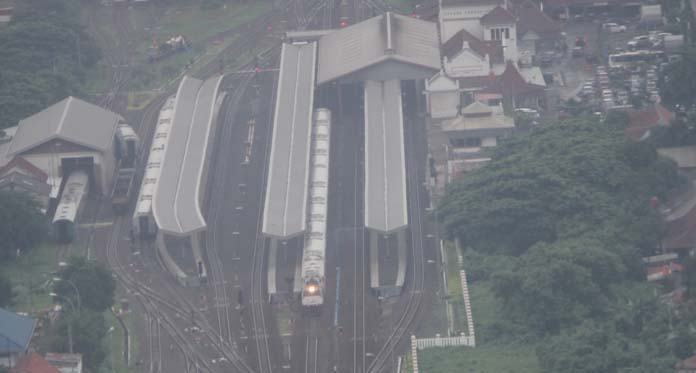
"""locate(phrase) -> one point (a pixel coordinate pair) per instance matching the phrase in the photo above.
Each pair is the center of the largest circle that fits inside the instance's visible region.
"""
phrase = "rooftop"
(511, 82)
(479, 116)
(455, 45)
(389, 37)
(498, 16)
(530, 17)
(285, 206)
(33, 363)
(385, 164)
(640, 121)
(176, 203)
(71, 120)
(15, 331)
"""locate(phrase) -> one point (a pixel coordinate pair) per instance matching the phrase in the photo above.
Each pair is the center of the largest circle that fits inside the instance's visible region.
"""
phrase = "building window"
(500, 33)
(469, 142)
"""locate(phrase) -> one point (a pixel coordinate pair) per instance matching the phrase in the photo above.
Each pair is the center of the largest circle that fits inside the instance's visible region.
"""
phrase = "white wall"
(443, 104)
(488, 142)
(467, 64)
(510, 45)
(454, 19)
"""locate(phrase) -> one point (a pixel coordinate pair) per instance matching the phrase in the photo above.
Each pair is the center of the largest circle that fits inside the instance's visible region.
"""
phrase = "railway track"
(218, 192)
(415, 295)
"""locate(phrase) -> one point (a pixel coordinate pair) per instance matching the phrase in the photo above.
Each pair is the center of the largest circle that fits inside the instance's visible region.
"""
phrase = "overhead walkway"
(385, 165)
(285, 207)
(176, 206)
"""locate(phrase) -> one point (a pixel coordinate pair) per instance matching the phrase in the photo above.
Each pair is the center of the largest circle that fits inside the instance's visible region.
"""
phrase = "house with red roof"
(5, 15)
(512, 90)
(33, 363)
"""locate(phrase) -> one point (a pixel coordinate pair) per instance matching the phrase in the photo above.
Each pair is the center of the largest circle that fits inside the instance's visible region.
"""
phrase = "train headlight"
(311, 289)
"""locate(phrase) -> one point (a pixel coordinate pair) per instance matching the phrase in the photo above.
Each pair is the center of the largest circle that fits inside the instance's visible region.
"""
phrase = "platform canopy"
(385, 163)
(285, 207)
(177, 198)
(386, 47)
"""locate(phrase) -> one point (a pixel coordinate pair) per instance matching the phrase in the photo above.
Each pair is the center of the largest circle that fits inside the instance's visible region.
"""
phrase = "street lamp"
(70, 341)
(77, 292)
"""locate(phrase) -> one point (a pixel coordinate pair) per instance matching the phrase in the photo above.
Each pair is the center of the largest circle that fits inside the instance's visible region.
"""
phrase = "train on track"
(143, 219)
(314, 251)
(71, 203)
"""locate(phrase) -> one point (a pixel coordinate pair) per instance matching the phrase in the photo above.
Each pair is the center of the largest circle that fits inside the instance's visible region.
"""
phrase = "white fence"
(461, 340)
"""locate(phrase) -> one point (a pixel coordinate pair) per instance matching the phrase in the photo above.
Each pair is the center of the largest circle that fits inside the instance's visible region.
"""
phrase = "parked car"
(578, 52)
(533, 113)
(613, 27)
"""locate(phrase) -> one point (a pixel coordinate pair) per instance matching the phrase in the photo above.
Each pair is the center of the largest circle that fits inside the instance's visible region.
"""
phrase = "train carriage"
(70, 205)
(314, 253)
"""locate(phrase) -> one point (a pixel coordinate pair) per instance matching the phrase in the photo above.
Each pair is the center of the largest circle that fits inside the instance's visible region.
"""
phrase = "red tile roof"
(454, 45)
(530, 17)
(510, 82)
(18, 161)
(688, 363)
(640, 121)
(681, 233)
(498, 16)
(33, 363)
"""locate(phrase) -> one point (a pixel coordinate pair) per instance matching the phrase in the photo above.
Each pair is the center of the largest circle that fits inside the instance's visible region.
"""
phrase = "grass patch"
(30, 275)
(490, 355)
(114, 346)
(139, 100)
(196, 24)
(483, 359)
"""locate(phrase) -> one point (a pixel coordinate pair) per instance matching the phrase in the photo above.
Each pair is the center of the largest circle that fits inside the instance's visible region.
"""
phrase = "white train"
(313, 255)
(143, 220)
(71, 203)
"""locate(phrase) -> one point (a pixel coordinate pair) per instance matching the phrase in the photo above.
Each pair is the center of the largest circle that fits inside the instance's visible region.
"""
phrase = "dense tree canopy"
(5, 291)
(678, 80)
(557, 222)
(559, 182)
(95, 283)
(22, 223)
(88, 330)
(46, 53)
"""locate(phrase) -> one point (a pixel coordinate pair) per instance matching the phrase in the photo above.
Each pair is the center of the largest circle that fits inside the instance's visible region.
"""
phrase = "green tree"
(5, 291)
(22, 223)
(88, 330)
(678, 81)
(560, 181)
(95, 283)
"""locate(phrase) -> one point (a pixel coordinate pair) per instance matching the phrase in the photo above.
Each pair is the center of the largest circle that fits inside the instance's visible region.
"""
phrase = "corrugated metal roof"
(385, 37)
(15, 331)
(385, 162)
(177, 193)
(285, 206)
(72, 120)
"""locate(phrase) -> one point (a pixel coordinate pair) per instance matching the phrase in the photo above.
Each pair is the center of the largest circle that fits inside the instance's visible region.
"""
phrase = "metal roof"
(387, 37)
(385, 163)
(285, 206)
(176, 203)
(72, 120)
(15, 331)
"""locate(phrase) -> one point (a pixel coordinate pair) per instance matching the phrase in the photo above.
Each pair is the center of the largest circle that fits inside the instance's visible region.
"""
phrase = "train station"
(374, 57)
(173, 189)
